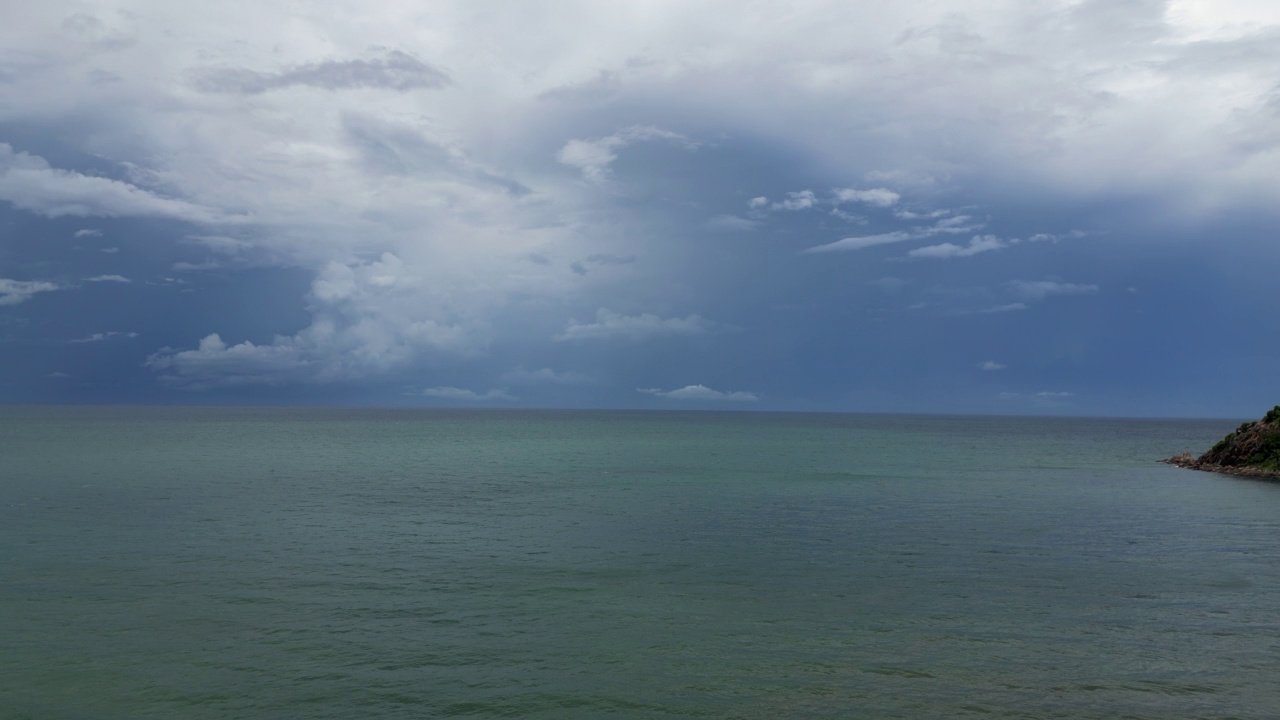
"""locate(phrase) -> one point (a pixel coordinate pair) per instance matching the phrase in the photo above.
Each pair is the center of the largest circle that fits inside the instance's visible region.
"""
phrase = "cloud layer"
(701, 393)
(609, 324)
(13, 292)
(30, 183)
(396, 70)
(564, 198)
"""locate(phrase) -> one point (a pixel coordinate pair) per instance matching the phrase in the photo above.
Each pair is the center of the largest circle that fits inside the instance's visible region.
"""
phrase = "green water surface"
(228, 563)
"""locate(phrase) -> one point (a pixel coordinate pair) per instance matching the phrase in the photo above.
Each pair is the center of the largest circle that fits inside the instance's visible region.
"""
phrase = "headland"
(1252, 450)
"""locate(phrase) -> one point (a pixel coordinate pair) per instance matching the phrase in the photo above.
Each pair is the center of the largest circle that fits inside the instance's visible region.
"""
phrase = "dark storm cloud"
(643, 170)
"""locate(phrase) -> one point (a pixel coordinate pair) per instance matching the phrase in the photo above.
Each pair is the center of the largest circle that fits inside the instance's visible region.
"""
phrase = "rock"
(1252, 450)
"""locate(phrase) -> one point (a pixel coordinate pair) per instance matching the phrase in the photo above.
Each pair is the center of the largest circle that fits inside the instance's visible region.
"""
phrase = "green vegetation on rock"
(1253, 447)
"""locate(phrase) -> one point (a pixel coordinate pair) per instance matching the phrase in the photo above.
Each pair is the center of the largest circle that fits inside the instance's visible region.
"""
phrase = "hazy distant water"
(214, 563)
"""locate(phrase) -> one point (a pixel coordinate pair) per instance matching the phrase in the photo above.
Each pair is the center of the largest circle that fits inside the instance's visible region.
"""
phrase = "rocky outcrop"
(1253, 450)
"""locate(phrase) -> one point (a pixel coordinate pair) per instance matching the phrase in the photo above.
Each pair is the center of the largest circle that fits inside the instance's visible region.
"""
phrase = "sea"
(201, 563)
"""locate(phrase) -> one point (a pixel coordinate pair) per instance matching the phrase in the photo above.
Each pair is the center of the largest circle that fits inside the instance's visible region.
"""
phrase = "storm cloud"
(383, 204)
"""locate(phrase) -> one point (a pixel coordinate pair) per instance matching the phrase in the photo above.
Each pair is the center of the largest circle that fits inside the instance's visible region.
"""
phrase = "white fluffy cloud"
(1041, 289)
(880, 197)
(701, 393)
(100, 336)
(863, 241)
(801, 200)
(593, 157)
(610, 324)
(346, 339)
(942, 225)
(807, 199)
(454, 393)
(31, 183)
(979, 244)
(1004, 308)
(13, 292)
(109, 278)
(213, 363)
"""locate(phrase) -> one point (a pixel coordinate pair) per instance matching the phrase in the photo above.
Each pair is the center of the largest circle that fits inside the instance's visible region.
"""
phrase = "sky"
(1048, 207)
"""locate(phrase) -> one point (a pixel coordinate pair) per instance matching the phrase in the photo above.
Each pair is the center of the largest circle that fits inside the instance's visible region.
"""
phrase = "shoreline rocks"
(1253, 450)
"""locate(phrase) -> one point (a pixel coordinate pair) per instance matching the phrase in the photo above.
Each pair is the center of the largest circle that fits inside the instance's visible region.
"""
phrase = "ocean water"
(231, 563)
